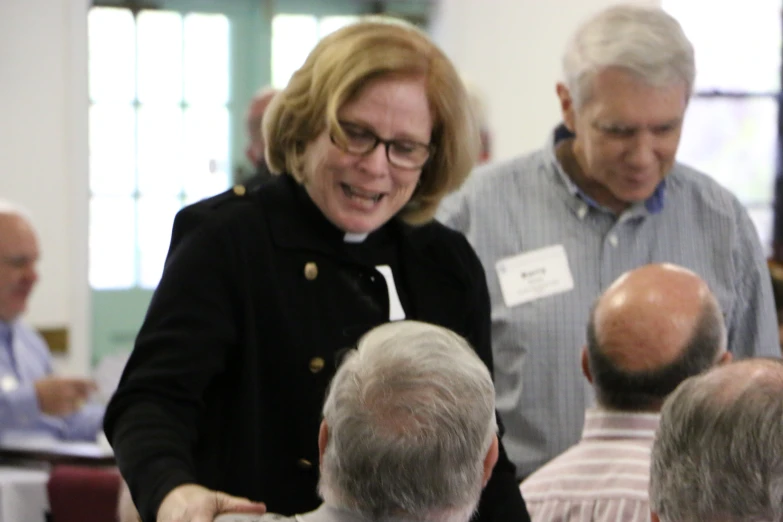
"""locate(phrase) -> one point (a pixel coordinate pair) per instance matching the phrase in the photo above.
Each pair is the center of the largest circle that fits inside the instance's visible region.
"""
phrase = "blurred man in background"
(32, 399)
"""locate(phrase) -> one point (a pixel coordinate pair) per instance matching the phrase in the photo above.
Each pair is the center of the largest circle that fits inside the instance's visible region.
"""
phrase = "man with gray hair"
(605, 195)
(718, 454)
(651, 329)
(409, 429)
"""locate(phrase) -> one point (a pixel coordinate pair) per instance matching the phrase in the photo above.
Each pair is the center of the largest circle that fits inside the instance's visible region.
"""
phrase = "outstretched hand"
(194, 503)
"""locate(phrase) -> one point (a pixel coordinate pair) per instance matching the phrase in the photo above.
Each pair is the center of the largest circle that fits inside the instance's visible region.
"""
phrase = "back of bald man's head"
(651, 329)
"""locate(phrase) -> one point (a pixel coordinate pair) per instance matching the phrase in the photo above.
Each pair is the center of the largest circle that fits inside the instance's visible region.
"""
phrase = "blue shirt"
(529, 203)
(24, 359)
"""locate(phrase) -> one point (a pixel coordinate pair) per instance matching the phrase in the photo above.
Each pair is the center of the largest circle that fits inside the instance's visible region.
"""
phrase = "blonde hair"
(336, 71)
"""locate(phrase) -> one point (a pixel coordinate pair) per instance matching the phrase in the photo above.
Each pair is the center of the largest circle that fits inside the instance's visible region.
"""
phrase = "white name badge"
(533, 275)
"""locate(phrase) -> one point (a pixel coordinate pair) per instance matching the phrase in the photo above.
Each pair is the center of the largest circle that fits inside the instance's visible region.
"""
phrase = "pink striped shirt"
(603, 478)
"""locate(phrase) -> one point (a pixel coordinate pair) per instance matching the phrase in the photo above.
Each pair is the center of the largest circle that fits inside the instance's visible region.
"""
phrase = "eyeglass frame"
(386, 144)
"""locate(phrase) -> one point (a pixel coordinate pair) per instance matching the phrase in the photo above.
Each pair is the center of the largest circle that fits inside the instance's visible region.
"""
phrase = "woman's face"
(360, 193)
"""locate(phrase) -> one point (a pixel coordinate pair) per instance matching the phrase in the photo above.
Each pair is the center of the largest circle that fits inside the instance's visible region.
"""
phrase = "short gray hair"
(411, 417)
(646, 41)
(718, 455)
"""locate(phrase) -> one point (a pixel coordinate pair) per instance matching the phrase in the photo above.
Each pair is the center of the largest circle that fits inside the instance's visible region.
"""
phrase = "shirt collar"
(6, 332)
(601, 423)
(653, 204)
(332, 513)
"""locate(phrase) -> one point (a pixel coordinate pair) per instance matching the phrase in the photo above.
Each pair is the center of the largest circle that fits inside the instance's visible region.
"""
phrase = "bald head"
(718, 453)
(646, 317)
(655, 325)
(18, 259)
(255, 115)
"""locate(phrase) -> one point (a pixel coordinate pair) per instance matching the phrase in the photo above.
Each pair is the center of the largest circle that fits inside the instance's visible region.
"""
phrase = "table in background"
(23, 494)
(21, 449)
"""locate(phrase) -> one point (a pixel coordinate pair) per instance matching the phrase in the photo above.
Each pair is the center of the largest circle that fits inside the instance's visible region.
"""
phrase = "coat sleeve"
(151, 421)
(186, 221)
(501, 500)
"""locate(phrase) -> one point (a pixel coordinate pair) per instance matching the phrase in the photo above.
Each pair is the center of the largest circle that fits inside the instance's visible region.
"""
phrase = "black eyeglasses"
(403, 154)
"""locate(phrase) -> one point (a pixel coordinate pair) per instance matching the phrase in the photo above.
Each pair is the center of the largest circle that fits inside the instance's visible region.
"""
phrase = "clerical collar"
(355, 238)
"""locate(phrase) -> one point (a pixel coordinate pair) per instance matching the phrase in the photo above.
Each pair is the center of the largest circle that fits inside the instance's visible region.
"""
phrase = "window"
(159, 130)
(731, 126)
(294, 36)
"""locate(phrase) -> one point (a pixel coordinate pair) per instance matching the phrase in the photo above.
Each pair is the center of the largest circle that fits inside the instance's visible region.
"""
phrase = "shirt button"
(311, 271)
(613, 240)
(316, 364)
(582, 212)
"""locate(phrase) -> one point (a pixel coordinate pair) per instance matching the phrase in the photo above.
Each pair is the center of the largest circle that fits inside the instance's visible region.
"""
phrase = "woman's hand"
(194, 503)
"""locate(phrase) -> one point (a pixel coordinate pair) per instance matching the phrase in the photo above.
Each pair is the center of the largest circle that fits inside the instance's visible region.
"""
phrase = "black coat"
(229, 372)
(190, 217)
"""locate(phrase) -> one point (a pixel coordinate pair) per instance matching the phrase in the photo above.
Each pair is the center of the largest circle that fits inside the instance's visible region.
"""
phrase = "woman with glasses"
(223, 391)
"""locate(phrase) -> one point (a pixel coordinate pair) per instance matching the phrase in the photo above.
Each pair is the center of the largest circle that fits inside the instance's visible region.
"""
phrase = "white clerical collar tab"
(354, 238)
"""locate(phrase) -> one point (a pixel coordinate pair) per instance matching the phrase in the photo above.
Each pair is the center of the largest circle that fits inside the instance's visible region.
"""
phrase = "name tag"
(533, 275)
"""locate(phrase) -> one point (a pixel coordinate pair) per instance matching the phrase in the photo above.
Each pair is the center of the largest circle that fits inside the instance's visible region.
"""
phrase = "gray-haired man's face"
(627, 135)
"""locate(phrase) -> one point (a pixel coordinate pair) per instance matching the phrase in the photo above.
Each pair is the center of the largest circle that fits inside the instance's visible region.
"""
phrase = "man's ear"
(586, 365)
(323, 438)
(490, 460)
(566, 106)
(726, 358)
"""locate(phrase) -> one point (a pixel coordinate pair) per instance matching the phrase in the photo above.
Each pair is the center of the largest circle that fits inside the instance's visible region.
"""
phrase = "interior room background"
(116, 114)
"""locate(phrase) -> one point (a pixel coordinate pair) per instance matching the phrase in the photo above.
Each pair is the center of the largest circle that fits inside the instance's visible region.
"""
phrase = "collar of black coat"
(297, 223)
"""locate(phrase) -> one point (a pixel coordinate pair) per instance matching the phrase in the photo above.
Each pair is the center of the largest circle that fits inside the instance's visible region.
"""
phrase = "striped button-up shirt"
(529, 203)
(603, 478)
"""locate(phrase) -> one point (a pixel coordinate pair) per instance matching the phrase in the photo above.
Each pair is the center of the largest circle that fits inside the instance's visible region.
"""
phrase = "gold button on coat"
(316, 364)
(239, 190)
(311, 271)
(304, 464)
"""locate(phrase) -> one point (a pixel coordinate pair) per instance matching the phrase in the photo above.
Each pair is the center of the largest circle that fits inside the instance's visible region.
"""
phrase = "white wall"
(43, 153)
(511, 49)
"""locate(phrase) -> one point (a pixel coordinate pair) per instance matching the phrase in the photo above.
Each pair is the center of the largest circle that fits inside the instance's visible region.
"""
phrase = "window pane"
(735, 142)
(112, 48)
(329, 24)
(160, 150)
(156, 215)
(206, 151)
(206, 58)
(763, 218)
(293, 37)
(112, 243)
(738, 48)
(160, 56)
(112, 149)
